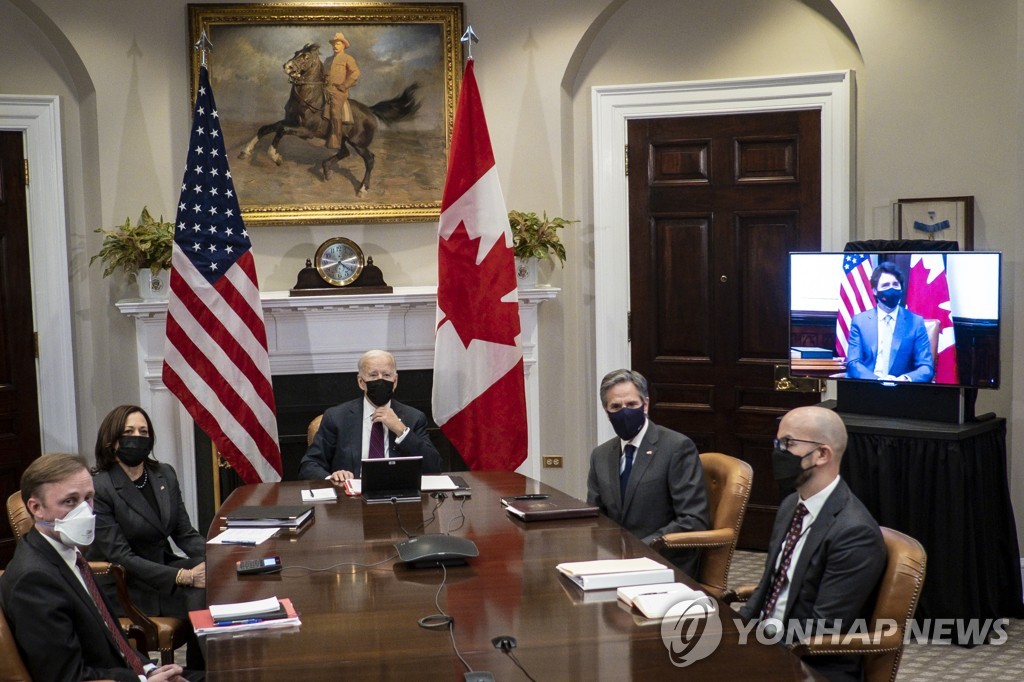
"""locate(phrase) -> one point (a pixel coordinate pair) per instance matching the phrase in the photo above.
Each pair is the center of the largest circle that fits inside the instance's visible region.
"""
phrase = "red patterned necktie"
(377, 440)
(787, 555)
(129, 654)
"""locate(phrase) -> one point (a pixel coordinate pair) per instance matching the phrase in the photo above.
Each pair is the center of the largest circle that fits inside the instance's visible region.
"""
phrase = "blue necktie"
(624, 476)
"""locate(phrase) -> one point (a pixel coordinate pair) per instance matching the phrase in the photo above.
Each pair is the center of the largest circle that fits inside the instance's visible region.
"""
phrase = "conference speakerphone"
(429, 551)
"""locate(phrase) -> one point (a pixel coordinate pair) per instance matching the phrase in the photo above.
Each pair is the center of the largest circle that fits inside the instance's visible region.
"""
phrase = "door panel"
(716, 205)
(19, 410)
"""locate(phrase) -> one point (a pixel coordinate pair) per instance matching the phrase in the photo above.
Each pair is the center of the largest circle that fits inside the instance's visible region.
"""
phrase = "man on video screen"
(888, 342)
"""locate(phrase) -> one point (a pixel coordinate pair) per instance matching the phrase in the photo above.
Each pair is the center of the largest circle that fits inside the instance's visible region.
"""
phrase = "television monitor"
(941, 327)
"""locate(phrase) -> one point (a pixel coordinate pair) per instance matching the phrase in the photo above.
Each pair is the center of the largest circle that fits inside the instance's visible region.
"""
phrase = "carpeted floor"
(929, 661)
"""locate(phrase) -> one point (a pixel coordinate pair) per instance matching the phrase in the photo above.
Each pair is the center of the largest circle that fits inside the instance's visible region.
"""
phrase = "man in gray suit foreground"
(826, 554)
(648, 478)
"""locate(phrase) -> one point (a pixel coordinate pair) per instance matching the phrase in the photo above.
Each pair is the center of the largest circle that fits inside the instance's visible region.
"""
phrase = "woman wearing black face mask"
(138, 505)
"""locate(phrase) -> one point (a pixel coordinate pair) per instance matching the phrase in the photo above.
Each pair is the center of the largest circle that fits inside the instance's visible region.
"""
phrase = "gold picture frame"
(302, 181)
(948, 218)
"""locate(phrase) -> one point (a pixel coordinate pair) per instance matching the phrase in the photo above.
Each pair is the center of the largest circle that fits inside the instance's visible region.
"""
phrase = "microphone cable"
(460, 517)
(441, 619)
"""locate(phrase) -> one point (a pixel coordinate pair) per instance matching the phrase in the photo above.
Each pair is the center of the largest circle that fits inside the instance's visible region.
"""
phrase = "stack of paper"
(251, 615)
(655, 600)
(611, 573)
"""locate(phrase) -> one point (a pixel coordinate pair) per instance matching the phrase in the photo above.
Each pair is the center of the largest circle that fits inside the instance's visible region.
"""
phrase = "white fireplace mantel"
(320, 334)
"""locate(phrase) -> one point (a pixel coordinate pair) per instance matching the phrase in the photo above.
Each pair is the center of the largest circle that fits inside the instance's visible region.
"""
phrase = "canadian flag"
(479, 398)
(928, 296)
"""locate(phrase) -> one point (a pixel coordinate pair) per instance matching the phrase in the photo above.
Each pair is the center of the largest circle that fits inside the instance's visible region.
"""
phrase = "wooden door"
(716, 205)
(19, 409)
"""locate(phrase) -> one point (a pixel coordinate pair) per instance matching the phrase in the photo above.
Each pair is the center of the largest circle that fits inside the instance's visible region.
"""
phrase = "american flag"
(215, 359)
(854, 296)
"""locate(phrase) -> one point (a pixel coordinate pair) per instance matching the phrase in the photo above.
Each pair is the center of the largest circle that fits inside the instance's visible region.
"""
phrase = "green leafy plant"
(534, 237)
(147, 244)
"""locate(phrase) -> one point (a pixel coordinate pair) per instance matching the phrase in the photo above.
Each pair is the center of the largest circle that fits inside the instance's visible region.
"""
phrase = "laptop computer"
(391, 479)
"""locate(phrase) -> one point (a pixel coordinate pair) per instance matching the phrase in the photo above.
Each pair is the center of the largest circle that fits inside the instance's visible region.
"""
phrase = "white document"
(319, 495)
(654, 601)
(609, 566)
(429, 484)
(244, 609)
(611, 573)
(243, 536)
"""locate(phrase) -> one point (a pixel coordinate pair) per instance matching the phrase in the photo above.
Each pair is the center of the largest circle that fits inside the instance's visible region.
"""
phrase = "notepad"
(655, 600)
(319, 495)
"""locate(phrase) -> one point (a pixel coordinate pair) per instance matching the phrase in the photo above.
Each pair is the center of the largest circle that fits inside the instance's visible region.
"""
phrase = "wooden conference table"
(361, 623)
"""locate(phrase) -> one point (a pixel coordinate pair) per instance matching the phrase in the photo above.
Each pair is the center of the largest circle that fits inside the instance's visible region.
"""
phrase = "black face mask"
(133, 450)
(379, 391)
(788, 468)
(889, 297)
(628, 421)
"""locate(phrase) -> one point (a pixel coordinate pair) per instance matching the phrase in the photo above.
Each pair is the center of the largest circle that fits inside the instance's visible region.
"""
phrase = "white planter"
(153, 287)
(526, 272)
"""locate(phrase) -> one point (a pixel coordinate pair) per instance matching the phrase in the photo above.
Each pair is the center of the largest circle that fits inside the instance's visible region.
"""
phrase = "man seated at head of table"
(373, 425)
(61, 621)
(826, 553)
(648, 478)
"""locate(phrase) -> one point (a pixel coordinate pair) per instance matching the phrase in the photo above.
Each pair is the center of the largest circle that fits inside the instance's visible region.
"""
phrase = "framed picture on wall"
(334, 113)
(946, 218)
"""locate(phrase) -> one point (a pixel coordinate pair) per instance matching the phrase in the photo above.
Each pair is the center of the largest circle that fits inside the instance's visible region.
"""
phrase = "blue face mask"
(628, 421)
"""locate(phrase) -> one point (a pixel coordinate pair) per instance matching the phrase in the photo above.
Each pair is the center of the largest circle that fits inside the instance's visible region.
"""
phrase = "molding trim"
(38, 119)
(832, 93)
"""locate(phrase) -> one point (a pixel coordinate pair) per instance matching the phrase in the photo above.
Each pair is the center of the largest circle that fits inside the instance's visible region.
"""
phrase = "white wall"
(939, 113)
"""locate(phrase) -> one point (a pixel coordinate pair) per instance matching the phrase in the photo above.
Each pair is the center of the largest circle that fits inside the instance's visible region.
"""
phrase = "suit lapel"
(133, 497)
(898, 330)
(47, 552)
(815, 536)
(163, 496)
(354, 436)
(870, 333)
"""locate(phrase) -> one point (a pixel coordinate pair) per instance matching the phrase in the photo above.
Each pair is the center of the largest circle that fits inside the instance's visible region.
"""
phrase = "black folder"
(270, 516)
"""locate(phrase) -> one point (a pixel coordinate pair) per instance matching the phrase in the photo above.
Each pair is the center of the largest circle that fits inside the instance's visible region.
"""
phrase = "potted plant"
(535, 239)
(142, 250)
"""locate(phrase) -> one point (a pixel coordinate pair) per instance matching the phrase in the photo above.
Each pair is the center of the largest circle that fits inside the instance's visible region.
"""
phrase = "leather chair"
(12, 668)
(931, 326)
(313, 427)
(898, 592)
(150, 633)
(728, 481)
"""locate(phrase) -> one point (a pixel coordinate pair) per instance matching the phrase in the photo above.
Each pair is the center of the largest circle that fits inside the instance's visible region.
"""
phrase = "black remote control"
(270, 564)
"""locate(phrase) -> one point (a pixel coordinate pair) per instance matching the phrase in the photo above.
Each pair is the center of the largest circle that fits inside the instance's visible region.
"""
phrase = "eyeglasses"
(374, 375)
(784, 442)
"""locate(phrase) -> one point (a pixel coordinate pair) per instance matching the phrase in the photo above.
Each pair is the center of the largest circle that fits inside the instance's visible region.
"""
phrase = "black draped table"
(945, 485)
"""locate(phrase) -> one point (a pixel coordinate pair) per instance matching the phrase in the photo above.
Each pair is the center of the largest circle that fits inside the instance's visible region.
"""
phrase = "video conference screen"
(915, 318)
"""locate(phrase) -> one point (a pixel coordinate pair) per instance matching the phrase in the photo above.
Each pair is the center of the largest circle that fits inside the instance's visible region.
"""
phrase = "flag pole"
(203, 45)
(468, 38)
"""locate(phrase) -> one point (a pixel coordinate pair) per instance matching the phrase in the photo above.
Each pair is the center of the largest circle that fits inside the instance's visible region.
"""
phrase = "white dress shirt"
(814, 503)
(368, 410)
(886, 326)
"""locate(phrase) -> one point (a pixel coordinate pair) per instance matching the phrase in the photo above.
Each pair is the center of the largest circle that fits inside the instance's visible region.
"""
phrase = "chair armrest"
(876, 642)
(137, 616)
(738, 594)
(719, 537)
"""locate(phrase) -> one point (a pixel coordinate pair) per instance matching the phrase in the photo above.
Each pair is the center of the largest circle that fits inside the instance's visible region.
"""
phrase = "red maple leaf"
(470, 294)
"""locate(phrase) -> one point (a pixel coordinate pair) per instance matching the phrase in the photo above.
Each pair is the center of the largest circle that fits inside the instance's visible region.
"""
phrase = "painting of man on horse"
(309, 113)
(362, 134)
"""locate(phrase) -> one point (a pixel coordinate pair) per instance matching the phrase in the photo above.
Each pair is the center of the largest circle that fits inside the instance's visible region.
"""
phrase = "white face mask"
(77, 528)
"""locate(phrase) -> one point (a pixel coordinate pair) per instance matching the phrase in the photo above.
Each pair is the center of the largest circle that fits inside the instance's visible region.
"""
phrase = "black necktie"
(624, 476)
